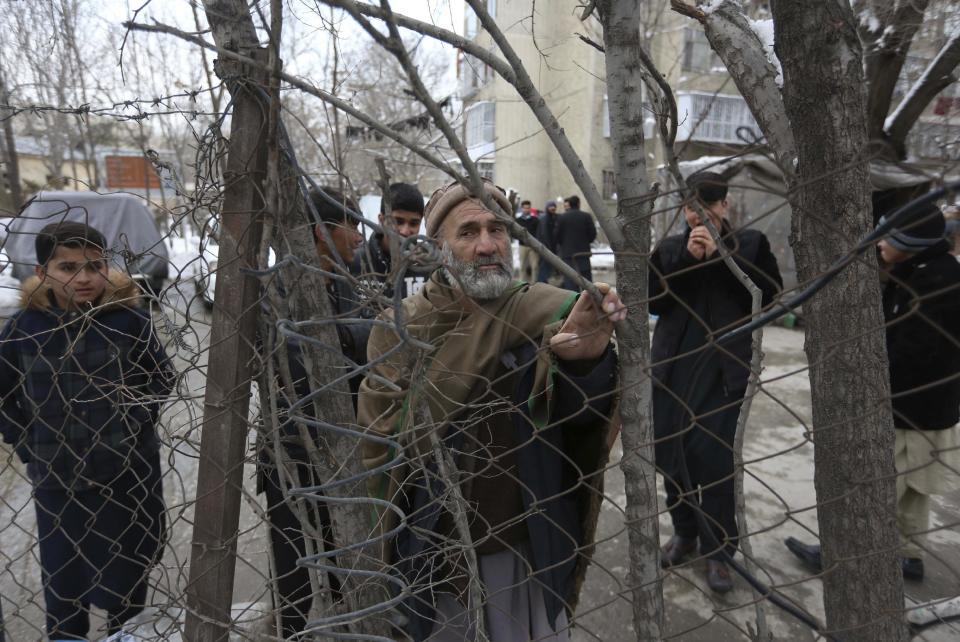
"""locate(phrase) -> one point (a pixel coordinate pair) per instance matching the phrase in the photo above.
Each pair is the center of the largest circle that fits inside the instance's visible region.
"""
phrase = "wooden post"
(230, 366)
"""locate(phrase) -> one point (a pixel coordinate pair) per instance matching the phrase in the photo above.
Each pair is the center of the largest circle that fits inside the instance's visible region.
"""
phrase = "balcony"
(713, 118)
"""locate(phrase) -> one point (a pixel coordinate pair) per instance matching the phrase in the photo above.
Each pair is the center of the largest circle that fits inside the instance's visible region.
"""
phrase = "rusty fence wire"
(480, 466)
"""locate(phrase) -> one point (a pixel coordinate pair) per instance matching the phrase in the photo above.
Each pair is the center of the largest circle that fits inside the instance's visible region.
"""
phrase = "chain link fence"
(429, 465)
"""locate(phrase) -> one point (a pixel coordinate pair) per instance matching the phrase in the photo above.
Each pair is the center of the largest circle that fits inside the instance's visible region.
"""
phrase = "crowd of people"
(520, 388)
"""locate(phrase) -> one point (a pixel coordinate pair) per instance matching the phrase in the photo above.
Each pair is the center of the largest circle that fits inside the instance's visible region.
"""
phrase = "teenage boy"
(294, 590)
(373, 259)
(697, 397)
(82, 379)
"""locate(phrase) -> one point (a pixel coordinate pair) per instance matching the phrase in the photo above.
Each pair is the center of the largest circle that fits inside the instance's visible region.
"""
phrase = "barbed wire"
(183, 324)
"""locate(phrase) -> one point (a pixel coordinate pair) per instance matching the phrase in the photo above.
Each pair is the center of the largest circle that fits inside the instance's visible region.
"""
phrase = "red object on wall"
(130, 172)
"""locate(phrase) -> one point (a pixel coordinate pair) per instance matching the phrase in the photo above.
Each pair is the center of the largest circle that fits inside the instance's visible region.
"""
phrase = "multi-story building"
(508, 143)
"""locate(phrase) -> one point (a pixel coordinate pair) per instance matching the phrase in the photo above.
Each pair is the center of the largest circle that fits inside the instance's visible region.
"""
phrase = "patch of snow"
(869, 21)
(921, 81)
(602, 257)
(764, 31)
(712, 6)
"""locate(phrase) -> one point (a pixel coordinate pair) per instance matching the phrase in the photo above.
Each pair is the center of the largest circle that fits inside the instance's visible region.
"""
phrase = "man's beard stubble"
(477, 283)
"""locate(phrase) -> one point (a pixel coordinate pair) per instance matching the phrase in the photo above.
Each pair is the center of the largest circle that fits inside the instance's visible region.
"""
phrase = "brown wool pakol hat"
(449, 196)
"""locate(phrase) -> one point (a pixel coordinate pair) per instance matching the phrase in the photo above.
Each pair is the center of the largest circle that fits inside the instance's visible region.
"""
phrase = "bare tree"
(817, 132)
(10, 143)
(888, 31)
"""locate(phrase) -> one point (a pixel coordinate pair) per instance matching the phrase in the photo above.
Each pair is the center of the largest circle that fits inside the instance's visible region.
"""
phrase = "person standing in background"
(574, 233)
(529, 259)
(546, 234)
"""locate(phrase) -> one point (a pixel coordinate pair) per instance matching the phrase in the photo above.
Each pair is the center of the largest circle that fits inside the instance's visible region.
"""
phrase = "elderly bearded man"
(520, 388)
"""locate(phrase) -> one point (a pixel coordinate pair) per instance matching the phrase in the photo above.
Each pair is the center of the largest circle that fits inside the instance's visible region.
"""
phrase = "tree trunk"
(824, 97)
(229, 373)
(885, 56)
(10, 149)
(625, 71)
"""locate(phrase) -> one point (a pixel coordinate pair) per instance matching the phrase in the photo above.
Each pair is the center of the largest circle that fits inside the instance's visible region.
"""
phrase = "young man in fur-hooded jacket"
(82, 379)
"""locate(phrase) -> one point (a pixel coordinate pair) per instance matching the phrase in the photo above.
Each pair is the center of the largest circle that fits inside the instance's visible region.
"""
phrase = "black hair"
(336, 211)
(524, 202)
(574, 201)
(404, 196)
(66, 234)
(710, 187)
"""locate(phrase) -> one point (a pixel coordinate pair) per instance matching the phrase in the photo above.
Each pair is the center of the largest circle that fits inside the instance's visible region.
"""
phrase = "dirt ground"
(779, 500)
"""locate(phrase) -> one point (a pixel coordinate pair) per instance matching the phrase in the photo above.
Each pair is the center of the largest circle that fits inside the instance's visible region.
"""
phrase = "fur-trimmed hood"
(121, 291)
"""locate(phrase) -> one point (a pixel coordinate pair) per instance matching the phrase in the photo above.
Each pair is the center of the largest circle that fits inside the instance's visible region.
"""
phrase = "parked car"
(125, 221)
(9, 289)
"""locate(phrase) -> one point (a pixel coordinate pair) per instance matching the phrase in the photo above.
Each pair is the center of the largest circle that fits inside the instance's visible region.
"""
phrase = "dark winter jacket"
(530, 222)
(547, 230)
(575, 232)
(679, 284)
(921, 305)
(558, 505)
(353, 339)
(371, 265)
(81, 390)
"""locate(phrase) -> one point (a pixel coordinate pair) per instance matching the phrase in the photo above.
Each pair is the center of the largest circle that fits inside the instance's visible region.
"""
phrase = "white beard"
(477, 283)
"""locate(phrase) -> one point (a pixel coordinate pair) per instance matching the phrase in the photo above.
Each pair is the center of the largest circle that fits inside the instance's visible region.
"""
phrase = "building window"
(697, 54)
(470, 24)
(714, 118)
(473, 74)
(609, 185)
(485, 169)
(480, 126)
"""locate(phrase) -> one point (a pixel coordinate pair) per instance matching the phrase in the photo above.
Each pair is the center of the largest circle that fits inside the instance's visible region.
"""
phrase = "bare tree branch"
(884, 56)
(936, 77)
(741, 50)
(688, 10)
(427, 29)
(293, 81)
(551, 126)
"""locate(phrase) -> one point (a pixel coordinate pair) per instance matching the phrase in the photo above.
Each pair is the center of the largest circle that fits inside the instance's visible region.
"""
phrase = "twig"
(299, 84)
(593, 43)
(394, 44)
(688, 10)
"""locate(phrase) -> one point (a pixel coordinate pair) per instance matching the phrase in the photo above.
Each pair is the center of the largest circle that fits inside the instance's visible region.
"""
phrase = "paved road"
(779, 497)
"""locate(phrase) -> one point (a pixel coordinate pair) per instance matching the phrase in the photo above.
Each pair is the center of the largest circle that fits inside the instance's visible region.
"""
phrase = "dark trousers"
(287, 544)
(97, 545)
(705, 444)
(582, 265)
(544, 271)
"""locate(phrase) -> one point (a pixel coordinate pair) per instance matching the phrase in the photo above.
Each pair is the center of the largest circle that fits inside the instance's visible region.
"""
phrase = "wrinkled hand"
(587, 330)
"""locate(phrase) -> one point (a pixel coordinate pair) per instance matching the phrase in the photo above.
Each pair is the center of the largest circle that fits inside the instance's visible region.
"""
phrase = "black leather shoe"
(809, 554)
(676, 549)
(912, 568)
(718, 577)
